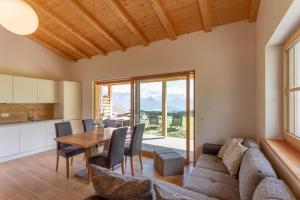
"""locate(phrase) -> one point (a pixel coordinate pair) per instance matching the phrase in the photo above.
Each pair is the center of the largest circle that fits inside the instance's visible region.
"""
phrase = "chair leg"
(57, 161)
(131, 163)
(122, 165)
(141, 161)
(112, 168)
(67, 167)
(71, 161)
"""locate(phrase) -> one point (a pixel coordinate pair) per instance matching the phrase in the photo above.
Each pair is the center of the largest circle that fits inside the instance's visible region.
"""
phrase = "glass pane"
(176, 115)
(297, 113)
(104, 101)
(120, 100)
(150, 108)
(290, 112)
(297, 64)
(192, 120)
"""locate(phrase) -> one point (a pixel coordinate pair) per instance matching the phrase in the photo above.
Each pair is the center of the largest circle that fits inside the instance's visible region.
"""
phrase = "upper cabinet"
(24, 90)
(71, 100)
(6, 88)
(48, 91)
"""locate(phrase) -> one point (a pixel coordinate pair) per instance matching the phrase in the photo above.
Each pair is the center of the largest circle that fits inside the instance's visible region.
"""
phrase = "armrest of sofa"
(212, 149)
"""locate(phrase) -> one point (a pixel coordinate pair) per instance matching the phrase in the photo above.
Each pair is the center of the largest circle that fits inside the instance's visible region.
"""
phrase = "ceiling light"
(18, 17)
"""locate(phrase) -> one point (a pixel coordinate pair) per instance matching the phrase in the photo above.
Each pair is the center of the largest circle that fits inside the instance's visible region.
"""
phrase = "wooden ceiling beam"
(205, 15)
(63, 42)
(164, 18)
(98, 26)
(254, 10)
(52, 48)
(127, 21)
(67, 26)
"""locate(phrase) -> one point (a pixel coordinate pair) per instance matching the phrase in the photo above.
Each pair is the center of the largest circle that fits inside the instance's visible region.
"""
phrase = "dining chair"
(115, 154)
(135, 146)
(65, 150)
(88, 125)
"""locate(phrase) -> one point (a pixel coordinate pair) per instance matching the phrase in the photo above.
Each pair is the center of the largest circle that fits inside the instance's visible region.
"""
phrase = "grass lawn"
(172, 131)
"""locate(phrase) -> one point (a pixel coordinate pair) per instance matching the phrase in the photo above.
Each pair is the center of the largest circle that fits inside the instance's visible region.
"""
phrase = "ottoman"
(168, 162)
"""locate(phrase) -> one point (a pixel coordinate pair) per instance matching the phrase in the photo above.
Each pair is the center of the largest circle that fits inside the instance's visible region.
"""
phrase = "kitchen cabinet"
(47, 91)
(24, 90)
(71, 101)
(9, 140)
(6, 88)
(32, 136)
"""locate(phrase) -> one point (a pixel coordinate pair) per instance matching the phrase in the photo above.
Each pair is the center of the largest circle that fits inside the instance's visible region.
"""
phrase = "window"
(292, 85)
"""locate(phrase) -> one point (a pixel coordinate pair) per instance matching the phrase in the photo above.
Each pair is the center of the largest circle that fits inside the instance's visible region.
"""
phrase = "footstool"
(168, 162)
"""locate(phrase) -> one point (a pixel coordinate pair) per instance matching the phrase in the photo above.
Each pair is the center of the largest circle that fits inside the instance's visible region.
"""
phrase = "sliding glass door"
(165, 104)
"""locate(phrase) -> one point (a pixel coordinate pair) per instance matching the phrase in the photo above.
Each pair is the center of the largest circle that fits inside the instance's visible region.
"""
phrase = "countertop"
(28, 122)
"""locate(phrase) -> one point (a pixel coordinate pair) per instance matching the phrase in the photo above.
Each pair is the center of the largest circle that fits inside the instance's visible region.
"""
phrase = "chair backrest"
(177, 120)
(88, 125)
(63, 129)
(116, 146)
(153, 120)
(136, 139)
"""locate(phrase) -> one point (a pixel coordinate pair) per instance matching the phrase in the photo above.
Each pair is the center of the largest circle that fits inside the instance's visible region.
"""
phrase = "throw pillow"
(114, 186)
(226, 145)
(233, 157)
(273, 188)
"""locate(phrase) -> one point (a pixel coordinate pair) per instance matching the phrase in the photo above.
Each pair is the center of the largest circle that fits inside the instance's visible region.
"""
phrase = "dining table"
(88, 141)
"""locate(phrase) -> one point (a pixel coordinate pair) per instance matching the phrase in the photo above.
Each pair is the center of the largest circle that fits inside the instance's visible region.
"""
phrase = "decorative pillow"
(233, 157)
(112, 186)
(226, 145)
(272, 188)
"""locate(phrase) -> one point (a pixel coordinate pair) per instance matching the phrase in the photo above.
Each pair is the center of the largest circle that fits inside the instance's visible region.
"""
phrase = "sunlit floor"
(34, 177)
(153, 142)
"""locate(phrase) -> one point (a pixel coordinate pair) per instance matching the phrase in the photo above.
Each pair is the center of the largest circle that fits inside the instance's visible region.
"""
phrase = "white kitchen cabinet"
(24, 90)
(32, 136)
(47, 91)
(6, 88)
(9, 140)
(71, 101)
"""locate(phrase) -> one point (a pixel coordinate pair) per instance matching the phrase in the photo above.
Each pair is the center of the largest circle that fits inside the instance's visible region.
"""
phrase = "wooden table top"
(85, 140)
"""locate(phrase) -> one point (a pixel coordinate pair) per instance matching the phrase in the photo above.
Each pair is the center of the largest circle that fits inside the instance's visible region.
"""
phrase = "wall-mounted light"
(18, 17)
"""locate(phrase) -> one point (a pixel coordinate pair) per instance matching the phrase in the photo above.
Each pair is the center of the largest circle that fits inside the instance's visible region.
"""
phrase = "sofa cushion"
(254, 168)
(233, 157)
(212, 163)
(213, 184)
(272, 188)
(165, 190)
(250, 143)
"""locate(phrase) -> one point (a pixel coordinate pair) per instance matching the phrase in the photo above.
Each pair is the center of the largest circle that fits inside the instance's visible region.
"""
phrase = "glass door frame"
(187, 75)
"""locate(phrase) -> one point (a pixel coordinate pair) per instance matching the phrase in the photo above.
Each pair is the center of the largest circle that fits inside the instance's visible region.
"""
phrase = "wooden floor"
(34, 177)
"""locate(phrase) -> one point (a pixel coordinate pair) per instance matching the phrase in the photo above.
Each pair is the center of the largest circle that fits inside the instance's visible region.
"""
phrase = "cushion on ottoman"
(160, 151)
(170, 163)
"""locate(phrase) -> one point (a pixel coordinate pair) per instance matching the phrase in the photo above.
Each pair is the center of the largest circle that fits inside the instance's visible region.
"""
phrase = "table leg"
(86, 173)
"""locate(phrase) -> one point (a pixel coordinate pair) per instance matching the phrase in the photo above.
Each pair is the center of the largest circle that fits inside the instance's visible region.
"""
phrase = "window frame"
(288, 88)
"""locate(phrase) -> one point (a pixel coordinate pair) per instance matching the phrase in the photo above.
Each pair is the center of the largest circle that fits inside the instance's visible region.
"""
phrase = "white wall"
(21, 56)
(224, 61)
(269, 110)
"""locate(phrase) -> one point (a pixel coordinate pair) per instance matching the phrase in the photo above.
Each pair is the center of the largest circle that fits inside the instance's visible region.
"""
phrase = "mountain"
(175, 103)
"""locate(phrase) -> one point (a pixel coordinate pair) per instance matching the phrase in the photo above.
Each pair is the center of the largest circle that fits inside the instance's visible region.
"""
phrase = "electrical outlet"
(4, 115)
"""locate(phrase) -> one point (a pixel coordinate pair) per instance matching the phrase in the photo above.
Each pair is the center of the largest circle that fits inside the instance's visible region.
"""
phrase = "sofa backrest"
(250, 143)
(254, 168)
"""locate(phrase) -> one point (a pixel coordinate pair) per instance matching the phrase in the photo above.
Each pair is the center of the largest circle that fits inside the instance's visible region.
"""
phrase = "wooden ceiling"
(78, 29)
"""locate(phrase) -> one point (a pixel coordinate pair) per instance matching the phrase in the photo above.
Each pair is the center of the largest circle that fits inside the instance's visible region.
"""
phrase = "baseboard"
(27, 153)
